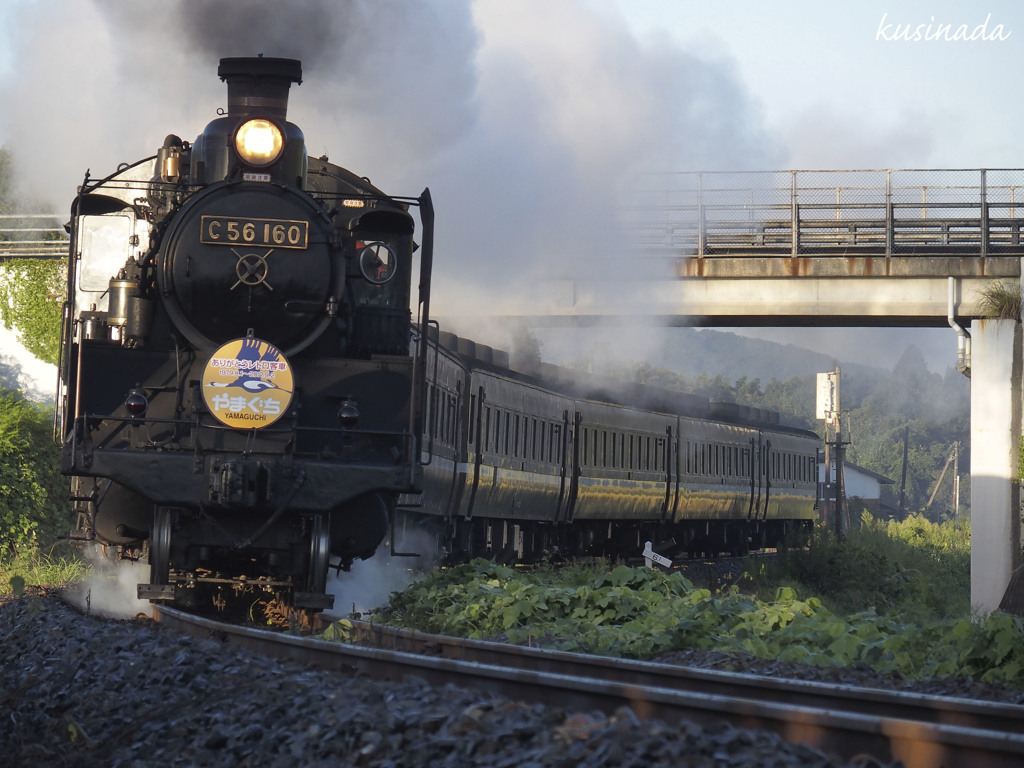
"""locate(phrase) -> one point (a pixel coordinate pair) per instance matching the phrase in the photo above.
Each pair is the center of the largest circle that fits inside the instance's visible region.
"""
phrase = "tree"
(32, 291)
(31, 300)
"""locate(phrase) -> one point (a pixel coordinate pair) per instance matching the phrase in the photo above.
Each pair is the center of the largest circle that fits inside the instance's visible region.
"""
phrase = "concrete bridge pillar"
(996, 403)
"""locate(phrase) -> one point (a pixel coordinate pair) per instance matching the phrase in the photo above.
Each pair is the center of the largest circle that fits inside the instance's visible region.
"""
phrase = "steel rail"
(839, 719)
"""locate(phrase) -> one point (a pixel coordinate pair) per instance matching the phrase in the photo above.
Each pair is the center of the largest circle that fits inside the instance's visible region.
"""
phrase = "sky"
(522, 115)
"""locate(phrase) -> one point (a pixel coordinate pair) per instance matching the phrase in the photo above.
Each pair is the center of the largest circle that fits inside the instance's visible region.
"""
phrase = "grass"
(38, 569)
(1001, 302)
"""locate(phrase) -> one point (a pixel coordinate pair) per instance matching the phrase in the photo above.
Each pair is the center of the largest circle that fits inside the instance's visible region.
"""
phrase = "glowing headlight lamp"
(259, 142)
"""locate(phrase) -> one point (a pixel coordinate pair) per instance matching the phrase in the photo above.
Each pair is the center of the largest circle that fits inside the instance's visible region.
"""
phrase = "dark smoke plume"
(524, 118)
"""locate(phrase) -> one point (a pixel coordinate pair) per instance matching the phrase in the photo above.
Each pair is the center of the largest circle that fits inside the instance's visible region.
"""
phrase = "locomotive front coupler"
(281, 509)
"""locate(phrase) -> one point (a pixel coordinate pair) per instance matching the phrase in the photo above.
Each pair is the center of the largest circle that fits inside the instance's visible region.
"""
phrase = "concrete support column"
(995, 430)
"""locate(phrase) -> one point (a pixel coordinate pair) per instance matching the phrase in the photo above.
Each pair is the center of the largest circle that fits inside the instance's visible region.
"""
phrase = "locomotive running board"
(156, 591)
(315, 600)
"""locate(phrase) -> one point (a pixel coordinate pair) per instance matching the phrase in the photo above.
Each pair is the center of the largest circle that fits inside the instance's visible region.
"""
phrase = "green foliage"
(1001, 301)
(32, 291)
(338, 631)
(39, 570)
(903, 575)
(34, 510)
(916, 567)
(32, 294)
(641, 613)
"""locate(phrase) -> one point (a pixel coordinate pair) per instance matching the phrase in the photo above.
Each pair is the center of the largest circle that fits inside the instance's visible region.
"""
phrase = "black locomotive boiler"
(240, 391)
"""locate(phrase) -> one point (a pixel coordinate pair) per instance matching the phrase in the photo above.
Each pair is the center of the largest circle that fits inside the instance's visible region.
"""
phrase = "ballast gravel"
(76, 690)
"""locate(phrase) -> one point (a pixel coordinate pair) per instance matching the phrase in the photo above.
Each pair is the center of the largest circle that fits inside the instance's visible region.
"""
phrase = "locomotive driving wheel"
(160, 546)
(319, 554)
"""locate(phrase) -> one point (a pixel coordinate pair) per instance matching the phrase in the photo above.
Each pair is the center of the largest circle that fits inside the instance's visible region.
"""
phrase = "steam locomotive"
(240, 401)
(247, 400)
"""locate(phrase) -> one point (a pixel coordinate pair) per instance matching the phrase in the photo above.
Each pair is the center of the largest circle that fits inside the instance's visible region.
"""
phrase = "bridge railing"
(894, 212)
(32, 236)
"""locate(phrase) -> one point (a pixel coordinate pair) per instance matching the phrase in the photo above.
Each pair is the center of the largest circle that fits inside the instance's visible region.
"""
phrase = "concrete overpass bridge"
(839, 248)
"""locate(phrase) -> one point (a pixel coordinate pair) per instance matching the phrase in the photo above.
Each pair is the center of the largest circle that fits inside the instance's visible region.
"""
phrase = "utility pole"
(956, 485)
(903, 480)
(828, 408)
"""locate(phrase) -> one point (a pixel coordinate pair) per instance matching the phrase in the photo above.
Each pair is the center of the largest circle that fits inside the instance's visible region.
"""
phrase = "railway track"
(921, 731)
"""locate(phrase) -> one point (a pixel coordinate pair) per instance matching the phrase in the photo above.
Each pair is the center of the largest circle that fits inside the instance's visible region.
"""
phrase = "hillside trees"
(878, 409)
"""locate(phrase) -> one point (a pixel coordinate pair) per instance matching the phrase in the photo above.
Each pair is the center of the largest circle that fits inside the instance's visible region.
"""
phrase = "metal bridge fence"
(32, 236)
(856, 212)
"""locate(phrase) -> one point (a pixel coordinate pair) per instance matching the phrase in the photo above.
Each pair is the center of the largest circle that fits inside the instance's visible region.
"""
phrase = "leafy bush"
(31, 298)
(641, 612)
(915, 568)
(32, 291)
(34, 510)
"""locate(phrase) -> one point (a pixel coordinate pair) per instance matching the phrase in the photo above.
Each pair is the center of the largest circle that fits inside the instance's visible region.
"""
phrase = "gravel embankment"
(81, 691)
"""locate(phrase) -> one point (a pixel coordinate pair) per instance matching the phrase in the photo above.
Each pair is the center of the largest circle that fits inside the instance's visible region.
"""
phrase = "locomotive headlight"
(348, 413)
(136, 403)
(259, 142)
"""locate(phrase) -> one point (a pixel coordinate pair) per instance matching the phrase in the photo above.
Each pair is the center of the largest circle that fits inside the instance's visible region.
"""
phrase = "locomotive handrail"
(416, 413)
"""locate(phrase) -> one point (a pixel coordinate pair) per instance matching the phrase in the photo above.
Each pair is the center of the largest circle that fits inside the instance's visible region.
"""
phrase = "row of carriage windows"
(442, 415)
(719, 459)
(530, 438)
(623, 450)
(520, 436)
(501, 431)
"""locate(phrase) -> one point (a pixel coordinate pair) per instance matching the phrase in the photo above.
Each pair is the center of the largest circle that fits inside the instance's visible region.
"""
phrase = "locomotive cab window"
(378, 277)
(107, 239)
(377, 265)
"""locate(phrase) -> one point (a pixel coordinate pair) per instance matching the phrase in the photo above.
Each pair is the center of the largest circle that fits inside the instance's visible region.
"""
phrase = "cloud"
(524, 118)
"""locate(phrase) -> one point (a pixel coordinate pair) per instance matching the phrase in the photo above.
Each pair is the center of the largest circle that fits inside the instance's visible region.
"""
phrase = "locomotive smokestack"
(259, 84)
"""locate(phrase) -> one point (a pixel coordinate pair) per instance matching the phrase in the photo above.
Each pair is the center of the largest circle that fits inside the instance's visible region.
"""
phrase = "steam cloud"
(523, 118)
(112, 587)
